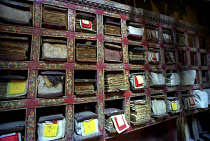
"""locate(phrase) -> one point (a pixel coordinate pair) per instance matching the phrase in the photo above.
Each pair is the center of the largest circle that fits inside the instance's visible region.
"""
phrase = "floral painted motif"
(30, 132)
(100, 51)
(56, 3)
(86, 9)
(71, 50)
(85, 35)
(124, 29)
(13, 65)
(125, 53)
(85, 99)
(78, 66)
(52, 65)
(71, 20)
(12, 105)
(17, 29)
(69, 123)
(100, 24)
(32, 84)
(37, 15)
(127, 110)
(69, 82)
(171, 88)
(137, 67)
(101, 115)
(54, 32)
(100, 81)
(114, 95)
(112, 39)
(127, 79)
(46, 102)
(111, 14)
(35, 48)
(113, 66)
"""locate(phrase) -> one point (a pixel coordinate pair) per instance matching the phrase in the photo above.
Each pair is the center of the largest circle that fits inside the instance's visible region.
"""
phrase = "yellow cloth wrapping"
(16, 88)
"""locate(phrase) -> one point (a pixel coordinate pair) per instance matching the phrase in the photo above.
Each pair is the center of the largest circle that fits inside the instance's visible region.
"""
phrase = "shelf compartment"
(182, 58)
(180, 39)
(15, 46)
(86, 51)
(11, 123)
(112, 26)
(50, 84)
(53, 49)
(203, 59)
(137, 80)
(135, 30)
(191, 39)
(158, 101)
(176, 107)
(139, 110)
(202, 42)
(21, 12)
(85, 82)
(172, 78)
(154, 56)
(54, 17)
(152, 33)
(205, 76)
(86, 22)
(14, 84)
(188, 102)
(170, 58)
(157, 79)
(193, 58)
(114, 81)
(167, 36)
(54, 115)
(113, 53)
(136, 54)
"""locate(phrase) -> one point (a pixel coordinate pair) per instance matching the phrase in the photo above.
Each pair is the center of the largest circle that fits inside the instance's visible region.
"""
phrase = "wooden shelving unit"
(196, 57)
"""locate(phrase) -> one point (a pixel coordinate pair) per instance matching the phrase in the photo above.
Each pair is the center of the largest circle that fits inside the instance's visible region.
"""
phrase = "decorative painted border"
(80, 66)
(86, 9)
(30, 130)
(6, 105)
(71, 20)
(114, 66)
(35, 47)
(69, 120)
(100, 51)
(70, 48)
(100, 24)
(56, 3)
(111, 96)
(112, 39)
(17, 29)
(101, 115)
(69, 84)
(8, 65)
(86, 35)
(100, 81)
(37, 15)
(32, 84)
(52, 65)
(47, 102)
(54, 32)
(125, 53)
(137, 67)
(85, 99)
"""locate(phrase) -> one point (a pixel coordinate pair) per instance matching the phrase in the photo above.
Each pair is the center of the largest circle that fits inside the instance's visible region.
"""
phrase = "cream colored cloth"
(54, 51)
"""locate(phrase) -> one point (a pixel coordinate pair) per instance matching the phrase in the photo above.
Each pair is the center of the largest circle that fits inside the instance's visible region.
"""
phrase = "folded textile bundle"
(14, 15)
(85, 24)
(173, 105)
(158, 107)
(153, 56)
(152, 34)
(83, 87)
(188, 102)
(14, 48)
(115, 82)
(167, 38)
(54, 51)
(170, 57)
(137, 80)
(136, 55)
(135, 32)
(86, 52)
(49, 84)
(156, 79)
(208, 92)
(172, 79)
(86, 125)
(13, 88)
(140, 111)
(181, 40)
(201, 98)
(11, 131)
(112, 29)
(187, 77)
(51, 127)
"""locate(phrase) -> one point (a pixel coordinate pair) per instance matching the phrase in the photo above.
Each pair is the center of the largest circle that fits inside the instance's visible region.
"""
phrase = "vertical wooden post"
(182, 129)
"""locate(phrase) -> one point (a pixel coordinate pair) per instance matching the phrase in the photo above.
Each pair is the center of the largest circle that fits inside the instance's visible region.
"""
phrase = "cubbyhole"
(112, 26)
(54, 17)
(53, 115)
(86, 50)
(86, 22)
(154, 56)
(172, 94)
(191, 39)
(158, 105)
(156, 78)
(152, 34)
(173, 102)
(203, 59)
(172, 78)
(183, 92)
(13, 84)
(114, 81)
(139, 110)
(202, 42)
(170, 58)
(205, 76)
(113, 52)
(53, 49)
(85, 82)
(135, 30)
(13, 122)
(182, 57)
(167, 36)
(193, 58)
(17, 12)
(181, 39)
(188, 101)
(91, 106)
(136, 54)
(137, 80)
(188, 77)
(15, 47)
(112, 107)
(51, 84)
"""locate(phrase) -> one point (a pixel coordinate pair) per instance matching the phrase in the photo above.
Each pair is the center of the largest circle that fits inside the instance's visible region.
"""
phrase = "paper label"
(120, 121)
(85, 22)
(17, 87)
(174, 106)
(50, 130)
(89, 126)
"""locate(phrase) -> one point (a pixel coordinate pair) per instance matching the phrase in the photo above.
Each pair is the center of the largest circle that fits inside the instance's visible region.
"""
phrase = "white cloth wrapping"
(43, 89)
(135, 30)
(60, 133)
(132, 80)
(188, 77)
(169, 105)
(158, 107)
(15, 14)
(186, 104)
(201, 99)
(173, 80)
(54, 51)
(208, 92)
(156, 79)
(10, 134)
(153, 56)
(79, 127)
(121, 122)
